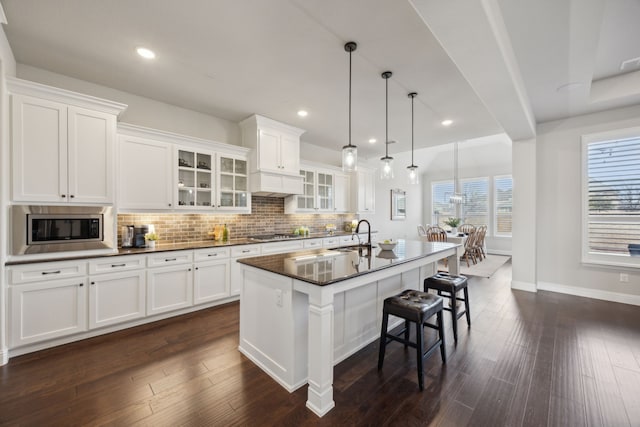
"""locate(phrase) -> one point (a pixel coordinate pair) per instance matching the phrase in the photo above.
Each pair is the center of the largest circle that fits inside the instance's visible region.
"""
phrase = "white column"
(320, 391)
(524, 241)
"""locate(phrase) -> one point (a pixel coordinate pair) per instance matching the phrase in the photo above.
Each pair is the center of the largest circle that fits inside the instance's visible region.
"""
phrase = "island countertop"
(326, 266)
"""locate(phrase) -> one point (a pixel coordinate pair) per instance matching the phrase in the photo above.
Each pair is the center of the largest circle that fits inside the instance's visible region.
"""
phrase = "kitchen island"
(302, 313)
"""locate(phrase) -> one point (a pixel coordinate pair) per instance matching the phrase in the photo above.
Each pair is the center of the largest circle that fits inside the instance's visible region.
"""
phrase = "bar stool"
(413, 306)
(447, 286)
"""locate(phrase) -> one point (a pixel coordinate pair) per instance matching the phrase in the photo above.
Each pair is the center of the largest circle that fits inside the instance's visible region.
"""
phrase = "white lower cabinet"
(211, 275)
(237, 253)
(169, 288)
(116, 298)
(49, 309)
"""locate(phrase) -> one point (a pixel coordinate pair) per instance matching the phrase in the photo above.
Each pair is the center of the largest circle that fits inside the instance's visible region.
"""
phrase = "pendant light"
(386, 168)
(412, 171)
(350, 152)
(456, 198)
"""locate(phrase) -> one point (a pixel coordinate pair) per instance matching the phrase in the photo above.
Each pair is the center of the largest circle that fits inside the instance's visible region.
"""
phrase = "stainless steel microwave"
(46, 229)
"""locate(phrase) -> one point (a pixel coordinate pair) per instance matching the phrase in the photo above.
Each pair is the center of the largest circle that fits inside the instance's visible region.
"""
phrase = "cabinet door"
(169, 288)
(39, 150)
(307, 200)
(269, 150)
(341, 193)
(289, 154)
(366, 192)
(44, 310)
(144, 174)
(325, 191)
(195, 180)
(116, 298)
(211, 281)
(90, 152)
(233, 184)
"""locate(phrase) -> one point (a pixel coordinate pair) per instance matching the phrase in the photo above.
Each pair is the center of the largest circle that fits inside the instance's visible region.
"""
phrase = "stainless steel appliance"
(45, 229)
(127, 236)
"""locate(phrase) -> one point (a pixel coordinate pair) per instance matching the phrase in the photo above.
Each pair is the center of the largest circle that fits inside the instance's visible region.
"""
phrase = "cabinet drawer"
(331, 242)
(115, 264)
(210, 254)
(45, 271)
(245, 251)
(169, 258)
(280, 247)
(313, 243)
(348, 240)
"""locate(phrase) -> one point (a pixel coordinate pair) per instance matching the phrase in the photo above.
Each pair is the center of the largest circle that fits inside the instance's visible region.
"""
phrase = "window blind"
(613, 170)
(442, 209)
(475, 205)
(503, 188)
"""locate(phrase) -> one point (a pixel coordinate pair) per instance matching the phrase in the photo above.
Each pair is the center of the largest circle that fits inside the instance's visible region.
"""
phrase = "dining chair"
(482, 232)
(436, 234)
(467, 228)
(470, 248)
(422, 231)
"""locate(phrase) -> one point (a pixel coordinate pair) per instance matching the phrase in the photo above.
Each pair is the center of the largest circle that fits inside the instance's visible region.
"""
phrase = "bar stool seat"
(447, 287)
(414, 307)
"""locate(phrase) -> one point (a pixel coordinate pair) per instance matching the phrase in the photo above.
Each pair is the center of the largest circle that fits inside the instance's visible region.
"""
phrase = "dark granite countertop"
(326, 266)
(164, 247)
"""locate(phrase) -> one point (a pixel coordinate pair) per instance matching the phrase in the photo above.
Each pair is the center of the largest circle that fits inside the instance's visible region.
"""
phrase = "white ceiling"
(233, 58)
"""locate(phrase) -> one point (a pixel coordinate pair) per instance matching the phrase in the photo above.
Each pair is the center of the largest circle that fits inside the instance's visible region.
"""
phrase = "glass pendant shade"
(349, 158)
(386, 167)
(413, 177)
(350, 151)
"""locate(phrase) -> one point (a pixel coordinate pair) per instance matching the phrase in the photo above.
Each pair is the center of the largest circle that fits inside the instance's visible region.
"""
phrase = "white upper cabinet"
(325, 190)
(364, 190)
(166, 171)
(62, 145)
(275, 156)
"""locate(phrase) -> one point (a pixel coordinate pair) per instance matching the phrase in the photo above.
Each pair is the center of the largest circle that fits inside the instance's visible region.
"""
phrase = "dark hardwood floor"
(529, 359)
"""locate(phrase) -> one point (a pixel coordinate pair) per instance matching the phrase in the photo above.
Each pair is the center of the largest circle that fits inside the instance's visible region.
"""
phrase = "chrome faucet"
(368, 232)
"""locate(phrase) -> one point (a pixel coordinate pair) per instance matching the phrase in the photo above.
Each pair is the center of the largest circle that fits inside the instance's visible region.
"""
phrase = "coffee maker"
(138, 236)
(127, 236)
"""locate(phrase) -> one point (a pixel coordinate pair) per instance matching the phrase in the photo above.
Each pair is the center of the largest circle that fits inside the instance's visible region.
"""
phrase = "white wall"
(558, 158)
(7, 68)
(144, 111)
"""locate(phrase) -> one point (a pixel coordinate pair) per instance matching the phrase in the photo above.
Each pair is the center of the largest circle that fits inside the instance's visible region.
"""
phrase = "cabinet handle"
(51, 272)
(189, 269)
(81, 284)
(63, 195)
(170, 259)
(212, 255)
(72, 196)
(118, 265)
(93, 283)
(169, 204)
(245, 251)
(197, 268)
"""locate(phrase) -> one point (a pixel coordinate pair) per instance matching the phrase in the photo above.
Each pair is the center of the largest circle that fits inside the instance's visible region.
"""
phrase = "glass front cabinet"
(212, 181)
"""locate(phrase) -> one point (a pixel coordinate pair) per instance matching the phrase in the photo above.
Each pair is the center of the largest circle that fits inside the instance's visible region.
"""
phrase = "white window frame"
(615, 260)
(432, 215)
(495, 206)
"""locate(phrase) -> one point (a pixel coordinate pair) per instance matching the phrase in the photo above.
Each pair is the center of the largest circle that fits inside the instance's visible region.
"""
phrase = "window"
(611, 197)
(475, 205)
(442, 209)
(503, 202)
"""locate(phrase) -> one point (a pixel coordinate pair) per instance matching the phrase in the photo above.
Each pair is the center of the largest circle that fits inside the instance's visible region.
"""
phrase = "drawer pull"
(118, 265)
(212, 255)
(51, 272)
(246, 251)
(170, 259)
(81, 284)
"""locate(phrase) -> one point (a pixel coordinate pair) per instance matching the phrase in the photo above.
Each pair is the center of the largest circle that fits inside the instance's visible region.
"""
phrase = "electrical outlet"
(279, 297)
(624, 277)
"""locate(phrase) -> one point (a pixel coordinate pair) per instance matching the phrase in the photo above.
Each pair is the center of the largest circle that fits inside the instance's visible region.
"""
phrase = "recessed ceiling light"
(146, 53)
(373, 141)
(446, 122)
(303, 113)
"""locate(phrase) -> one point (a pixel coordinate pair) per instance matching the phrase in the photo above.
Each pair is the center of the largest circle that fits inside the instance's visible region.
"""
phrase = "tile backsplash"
(267, 216)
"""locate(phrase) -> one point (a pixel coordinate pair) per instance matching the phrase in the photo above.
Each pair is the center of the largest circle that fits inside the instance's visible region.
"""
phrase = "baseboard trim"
(497, 252)
(523, 286)
(4, 356)
(590, 293)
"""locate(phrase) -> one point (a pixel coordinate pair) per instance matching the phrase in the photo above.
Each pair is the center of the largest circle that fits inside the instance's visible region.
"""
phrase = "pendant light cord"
(386, 118)
(412, 130)
(350, 52)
